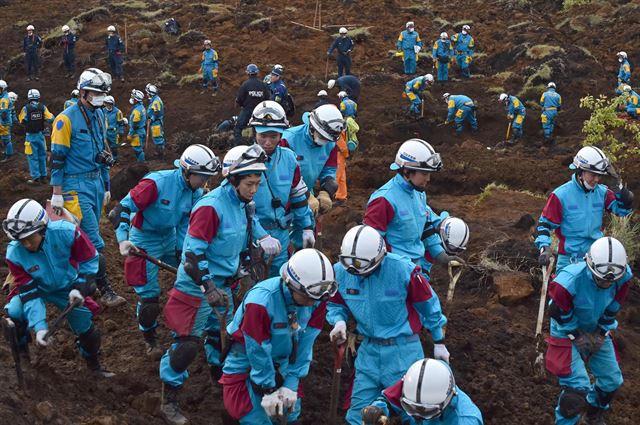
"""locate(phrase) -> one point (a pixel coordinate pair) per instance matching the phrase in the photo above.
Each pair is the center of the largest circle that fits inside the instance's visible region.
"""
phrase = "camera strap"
(90, 128)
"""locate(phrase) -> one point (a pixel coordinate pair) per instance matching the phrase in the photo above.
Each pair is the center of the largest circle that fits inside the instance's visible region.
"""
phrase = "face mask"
(620, 60)
(410, 29)
(464, 32)
(97, 100)
(131, 101)
(319, 140)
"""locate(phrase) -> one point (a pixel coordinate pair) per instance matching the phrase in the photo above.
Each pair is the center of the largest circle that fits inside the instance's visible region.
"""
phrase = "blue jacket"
(70, 102)
(350, 84)
(633, 101)
(68, 42)
(114, 45)
(138, 121)
(74, 148)
(463, 44)
(583, 305)
(316, 162)
(209, 59)
(5, 113)
(431, 239)
(161, 204)
(416, 86)
(31, 44)
(407, 40)
(515, 107)
(278, 91)
(283, 180)
(344, 45)
(551, 100)
(389, 302)
(65, 258)
(624, 72)
(456, 102)
(575, 215)
(264, 328)
(442, 50)
(348, 107)
(115, 121)
(155, 111)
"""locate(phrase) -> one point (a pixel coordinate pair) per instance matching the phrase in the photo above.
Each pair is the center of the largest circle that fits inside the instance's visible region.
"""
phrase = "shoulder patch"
(59, 124)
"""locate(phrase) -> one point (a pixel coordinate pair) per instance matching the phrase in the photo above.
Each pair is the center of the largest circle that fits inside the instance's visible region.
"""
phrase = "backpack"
(289, 105)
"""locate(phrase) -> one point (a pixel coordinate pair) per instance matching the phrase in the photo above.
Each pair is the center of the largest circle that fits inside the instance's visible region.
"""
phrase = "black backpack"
(289, 105)
(172, 27)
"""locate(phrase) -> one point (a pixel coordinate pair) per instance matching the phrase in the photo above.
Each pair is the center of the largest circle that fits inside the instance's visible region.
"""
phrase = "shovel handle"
(453, 279)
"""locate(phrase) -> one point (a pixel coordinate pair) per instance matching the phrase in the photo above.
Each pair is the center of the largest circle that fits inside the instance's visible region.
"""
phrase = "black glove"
(582, 341)
(625, 196)
(545, 256)
(86, 285)
(371, 415)
(444, 258)
(597, 339)
(215, 297)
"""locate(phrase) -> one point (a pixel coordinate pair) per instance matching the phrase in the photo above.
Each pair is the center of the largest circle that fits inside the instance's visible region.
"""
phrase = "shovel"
(339, 350)
(155, 261)
(538, 364)
(58, 322)
(453, 279)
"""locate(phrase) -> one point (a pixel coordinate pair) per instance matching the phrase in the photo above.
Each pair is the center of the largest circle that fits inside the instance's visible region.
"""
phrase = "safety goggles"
(607, 273)
(17, 227)
(325, 127)
(600, 167)
(320, 291)
(99, 82)
(357, 265)
(269, 117)
(254, 154)
(424, 410)
(433, 163)
(205, 170)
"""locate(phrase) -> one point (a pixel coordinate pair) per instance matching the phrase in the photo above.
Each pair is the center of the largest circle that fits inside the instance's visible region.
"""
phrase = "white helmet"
(446, 96)
(199, 159)
(151, 89)
(137, 95)
(416, 154)
(454, 233)
(428, 78)
(207, 42)
(626, 88)
(244, 160)
(591, 158)
(93, 79)
(75, 93)
(309, 272)
(427, 389)
(3, 85)
(362, 250)
(343, 30)
(33, 94)
(331, 84)
(466, 28)
(25, 218)
(444, 36)
(409, 24)
(110, 100)
(551, 85)
(271, 114)
(342, 94)
(13, 96)
(607, 260)
(322, 93)
(30, 28)
(111, 28)
(622, 55)
(327, 120)
(65, 28)
(503, 97)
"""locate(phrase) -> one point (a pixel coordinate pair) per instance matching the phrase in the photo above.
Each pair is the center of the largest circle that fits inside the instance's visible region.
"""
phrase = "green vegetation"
(627, 231)
(488, 190)
(189, 79)
(536, 83)
(541, 51)
(568, 4)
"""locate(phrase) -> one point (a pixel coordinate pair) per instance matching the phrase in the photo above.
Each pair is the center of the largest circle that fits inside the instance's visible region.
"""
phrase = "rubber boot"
(594, 416)
(152, 349)
(169, 406)
(108, 296)
(216, 374)
(93, 363)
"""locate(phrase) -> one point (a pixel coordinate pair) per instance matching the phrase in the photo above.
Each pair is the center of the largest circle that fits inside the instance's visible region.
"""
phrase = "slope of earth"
(521, 46)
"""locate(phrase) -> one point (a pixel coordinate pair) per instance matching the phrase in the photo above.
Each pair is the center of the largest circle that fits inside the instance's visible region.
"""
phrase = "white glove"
(74, 294)
(57, 201)
(270, 245)
(308, 238)
(125, 121)
(126, 247)
(440, 352)
(273, 404)
(106, 198)
(339, 332)
(40, 338)
(289, 398)
(417, 49)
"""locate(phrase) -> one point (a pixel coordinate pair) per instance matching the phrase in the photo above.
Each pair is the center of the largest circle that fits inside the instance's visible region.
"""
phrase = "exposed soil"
(492, 345)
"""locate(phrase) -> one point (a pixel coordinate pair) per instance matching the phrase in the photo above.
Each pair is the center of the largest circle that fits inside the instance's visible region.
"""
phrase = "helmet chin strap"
(583, 183)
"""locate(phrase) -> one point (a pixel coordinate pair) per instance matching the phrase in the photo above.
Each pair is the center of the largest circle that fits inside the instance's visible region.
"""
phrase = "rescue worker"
(72, 100)
(463, 44)
(68, 44)
(31, 46)
(632, 105)
(116, 123)
(6, 140)
(348, 107)
(398, 209)
(251, 93)
(345, 45)
(323, 99)
(153, 219)
(137, 124)
(413, 91)
(409, 44)
(460, 109)
(442, 53)
(574, 210)
(6, 120)
(209, 68)
(218, 232)
(273, 334)
(115, 52)
(33, 116)
(227, 125)
(348, 83)
(585, 299)
(386, 295)
(442, 233)
(314, 143)
(624, 72)
(282, 196)
(516, 113)
(551, 103)
(155, 116)
(279, 92)
(52, 262)
(80, 162)
(427, 395)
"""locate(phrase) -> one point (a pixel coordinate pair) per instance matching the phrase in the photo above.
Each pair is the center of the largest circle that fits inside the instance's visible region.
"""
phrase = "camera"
(105, 158)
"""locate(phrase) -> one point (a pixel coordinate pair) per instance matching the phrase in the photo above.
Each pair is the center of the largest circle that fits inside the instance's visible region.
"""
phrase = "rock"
(525, 223)
(44, 411)
(512, 287)
(110, 326)
(147, 402)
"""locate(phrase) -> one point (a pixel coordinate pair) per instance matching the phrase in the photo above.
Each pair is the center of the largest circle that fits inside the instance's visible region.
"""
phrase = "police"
(348, 83)
(209, 67)
(323, 99)
(460, 108)
(115, 125)
(6, 120)
(624, 72)
(153, 219)
(413, 91)
(516, 113)
(115, 52)
(387, 295)
(442, 53)
(68, 44)
(137, 124)
(155, 116)
(52, 262)
(31, 45)
(251, 92)
(348, 107)
(33, 116)
(632, 105)
(72, 100)
(463, 44)
(551, 103)
(273, 334)
(80, 161)
(279, 91)
(344, 44)
(409, 44)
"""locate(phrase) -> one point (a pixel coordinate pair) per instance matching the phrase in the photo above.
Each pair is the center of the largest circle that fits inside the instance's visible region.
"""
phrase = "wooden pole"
(306, 26)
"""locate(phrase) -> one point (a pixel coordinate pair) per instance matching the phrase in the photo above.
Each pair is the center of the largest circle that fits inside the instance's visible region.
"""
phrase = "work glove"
(57, 202)
(40, 338)
(106, 198)
(339, 332)
(371, 415)
(308, 238)
(625, 196)
(270, 245)
(417, 49)
(74, 294)
(289, 397)
(545, 256)
(440, 352)
(509, 117)
(582, 342)
(273, 404)
(597, 339)
(125, 121)
(314, 205)
(444, 258)
(126, 247)
(216, 297)
(325, 202)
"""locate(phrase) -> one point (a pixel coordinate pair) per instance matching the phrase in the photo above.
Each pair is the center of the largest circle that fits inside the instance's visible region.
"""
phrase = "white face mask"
(97, 100)
(319, 140)
(131, 101)
(464, 32)
(410, 29)
(620, 59)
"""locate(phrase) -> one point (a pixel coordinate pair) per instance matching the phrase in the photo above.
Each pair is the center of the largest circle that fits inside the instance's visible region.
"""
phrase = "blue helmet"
(252, 69)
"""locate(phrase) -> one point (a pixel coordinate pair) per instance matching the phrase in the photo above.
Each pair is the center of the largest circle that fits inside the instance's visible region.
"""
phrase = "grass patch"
(417, 9)
(568, 4)
(442, 22)
(360, 33)
(132, 4)
(536, 83)
(149, 14)
(541, 51)
(488, 190)
(166, 77)
(496, 90)
(627, 231)
(562, 23)
(459, 24)
(519, 25)
(142, 33)
(503, 76)
(189, 79)
(140, 62)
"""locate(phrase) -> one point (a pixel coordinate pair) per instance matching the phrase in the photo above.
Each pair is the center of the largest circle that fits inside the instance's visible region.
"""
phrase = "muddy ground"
(492, 345)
